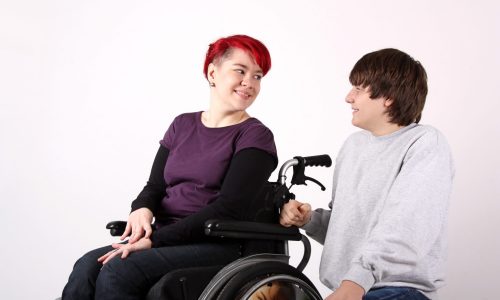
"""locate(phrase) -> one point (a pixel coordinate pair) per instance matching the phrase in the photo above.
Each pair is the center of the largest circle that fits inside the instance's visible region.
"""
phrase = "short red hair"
(253, 47)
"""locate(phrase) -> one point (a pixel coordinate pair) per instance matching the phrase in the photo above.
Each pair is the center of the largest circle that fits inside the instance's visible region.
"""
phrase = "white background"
(87, 89)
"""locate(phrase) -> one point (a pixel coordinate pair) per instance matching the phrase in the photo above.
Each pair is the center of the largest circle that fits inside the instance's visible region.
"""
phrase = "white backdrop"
(87, 89)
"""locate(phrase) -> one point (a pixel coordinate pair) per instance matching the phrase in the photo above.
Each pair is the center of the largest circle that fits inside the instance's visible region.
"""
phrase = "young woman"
(210, 164)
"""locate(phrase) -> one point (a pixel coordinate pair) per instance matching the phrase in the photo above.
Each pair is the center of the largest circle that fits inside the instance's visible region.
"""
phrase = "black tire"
(237, 286)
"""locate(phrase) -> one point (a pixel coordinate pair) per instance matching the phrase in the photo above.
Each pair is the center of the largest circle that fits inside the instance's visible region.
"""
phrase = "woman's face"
(237, 80)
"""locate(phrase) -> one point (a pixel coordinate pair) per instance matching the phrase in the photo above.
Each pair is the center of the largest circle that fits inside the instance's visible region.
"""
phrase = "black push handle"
(323, 160)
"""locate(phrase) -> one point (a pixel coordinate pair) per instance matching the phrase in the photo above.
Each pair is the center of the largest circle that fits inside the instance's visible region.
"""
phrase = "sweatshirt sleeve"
(317, 227)
(403, 233)
(249, 170)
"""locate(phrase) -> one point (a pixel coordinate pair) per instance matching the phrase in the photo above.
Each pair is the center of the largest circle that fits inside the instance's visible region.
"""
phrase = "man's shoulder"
(424, 129)
(357, 136)
(430, 140)
(427, 134)
(413, 135)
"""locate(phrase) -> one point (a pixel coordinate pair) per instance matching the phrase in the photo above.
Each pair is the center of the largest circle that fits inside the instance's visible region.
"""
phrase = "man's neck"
(387, 129)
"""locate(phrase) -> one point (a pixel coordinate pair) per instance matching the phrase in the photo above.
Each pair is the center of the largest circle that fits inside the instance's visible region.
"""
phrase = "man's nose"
(350, 97)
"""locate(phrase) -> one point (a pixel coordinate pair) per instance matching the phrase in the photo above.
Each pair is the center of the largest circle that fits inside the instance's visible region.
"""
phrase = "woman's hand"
(348, 290)
(295, 213)
(125, 249)
(138, 225)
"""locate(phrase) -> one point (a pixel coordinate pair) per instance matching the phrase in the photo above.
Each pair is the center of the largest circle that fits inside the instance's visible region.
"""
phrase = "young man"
(384, 236)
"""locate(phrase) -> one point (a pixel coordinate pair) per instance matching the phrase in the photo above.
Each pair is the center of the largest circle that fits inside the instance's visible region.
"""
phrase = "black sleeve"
(248, 172)
(154, 191)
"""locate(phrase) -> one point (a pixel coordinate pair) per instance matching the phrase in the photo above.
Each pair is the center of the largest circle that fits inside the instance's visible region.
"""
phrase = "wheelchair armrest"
(116, 228)
(251, 230)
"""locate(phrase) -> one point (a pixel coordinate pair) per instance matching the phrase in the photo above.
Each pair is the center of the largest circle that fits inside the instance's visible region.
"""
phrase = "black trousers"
(132, 277)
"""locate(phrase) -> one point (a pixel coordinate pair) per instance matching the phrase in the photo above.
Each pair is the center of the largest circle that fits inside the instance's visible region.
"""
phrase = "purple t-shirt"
(199, 158)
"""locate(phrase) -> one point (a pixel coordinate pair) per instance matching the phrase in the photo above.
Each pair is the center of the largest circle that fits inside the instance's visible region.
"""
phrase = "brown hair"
(393, 74)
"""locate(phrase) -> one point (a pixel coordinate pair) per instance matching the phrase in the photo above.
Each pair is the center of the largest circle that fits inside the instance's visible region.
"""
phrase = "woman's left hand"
(125, 249)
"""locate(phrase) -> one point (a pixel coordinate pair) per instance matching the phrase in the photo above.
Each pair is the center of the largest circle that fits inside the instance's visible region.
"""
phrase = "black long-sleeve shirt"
(249, 169)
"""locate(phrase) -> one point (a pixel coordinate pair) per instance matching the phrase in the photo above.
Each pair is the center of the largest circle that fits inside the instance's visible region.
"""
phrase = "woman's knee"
(119, 275)
(86, 266)
(81, 281)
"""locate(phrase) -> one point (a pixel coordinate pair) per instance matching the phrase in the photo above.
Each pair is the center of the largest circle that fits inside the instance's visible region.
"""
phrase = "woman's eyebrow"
(246, 68)
(240, 65)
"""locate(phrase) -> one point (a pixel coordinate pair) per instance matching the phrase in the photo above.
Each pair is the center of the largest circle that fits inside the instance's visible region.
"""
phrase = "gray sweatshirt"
(387, 223)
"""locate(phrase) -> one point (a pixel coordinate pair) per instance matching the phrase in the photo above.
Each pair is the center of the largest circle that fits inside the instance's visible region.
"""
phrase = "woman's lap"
(156, 262)
(135, 274)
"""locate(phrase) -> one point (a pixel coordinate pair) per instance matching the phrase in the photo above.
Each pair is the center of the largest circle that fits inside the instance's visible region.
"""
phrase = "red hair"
(253, 47)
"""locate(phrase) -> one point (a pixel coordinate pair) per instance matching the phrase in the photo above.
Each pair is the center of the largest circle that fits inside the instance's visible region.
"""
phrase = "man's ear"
(388, 102)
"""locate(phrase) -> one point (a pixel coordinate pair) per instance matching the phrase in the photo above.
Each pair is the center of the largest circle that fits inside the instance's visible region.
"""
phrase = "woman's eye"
(258, 77)
(240, 71)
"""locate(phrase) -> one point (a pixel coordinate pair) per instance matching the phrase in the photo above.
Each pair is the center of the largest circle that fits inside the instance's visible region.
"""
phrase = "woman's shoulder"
(256, 131)
(185, 120)
(188, 116)
(254, 124)
(254, 134)
(181, 123)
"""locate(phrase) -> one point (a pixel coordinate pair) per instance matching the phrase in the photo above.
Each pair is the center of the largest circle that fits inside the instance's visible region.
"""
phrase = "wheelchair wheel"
(269, 281)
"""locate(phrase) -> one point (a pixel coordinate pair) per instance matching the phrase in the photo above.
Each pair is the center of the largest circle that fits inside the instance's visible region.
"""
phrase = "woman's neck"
(214, 119)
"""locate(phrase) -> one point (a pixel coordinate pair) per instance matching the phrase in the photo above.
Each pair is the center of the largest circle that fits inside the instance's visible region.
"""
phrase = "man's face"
(369, 114)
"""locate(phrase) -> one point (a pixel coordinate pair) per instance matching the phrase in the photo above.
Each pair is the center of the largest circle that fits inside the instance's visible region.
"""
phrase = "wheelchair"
(263, 272)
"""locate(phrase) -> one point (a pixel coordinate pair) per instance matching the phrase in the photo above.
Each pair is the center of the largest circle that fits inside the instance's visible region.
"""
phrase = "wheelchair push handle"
(300, 162)
(323, 160)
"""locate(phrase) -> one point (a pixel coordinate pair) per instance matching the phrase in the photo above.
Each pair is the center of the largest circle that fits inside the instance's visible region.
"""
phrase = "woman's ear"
(211, 72)
(388, 102)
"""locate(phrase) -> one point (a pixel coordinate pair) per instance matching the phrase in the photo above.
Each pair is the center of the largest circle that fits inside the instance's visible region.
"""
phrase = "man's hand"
(138, 225)
(348, 290)
(295, 213)
(125, 249)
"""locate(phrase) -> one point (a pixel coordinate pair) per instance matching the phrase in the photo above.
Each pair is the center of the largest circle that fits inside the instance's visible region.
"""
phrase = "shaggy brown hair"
(393, 74)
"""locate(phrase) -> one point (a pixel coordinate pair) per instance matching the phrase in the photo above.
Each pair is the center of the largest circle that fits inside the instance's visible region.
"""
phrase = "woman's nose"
(246, 81)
